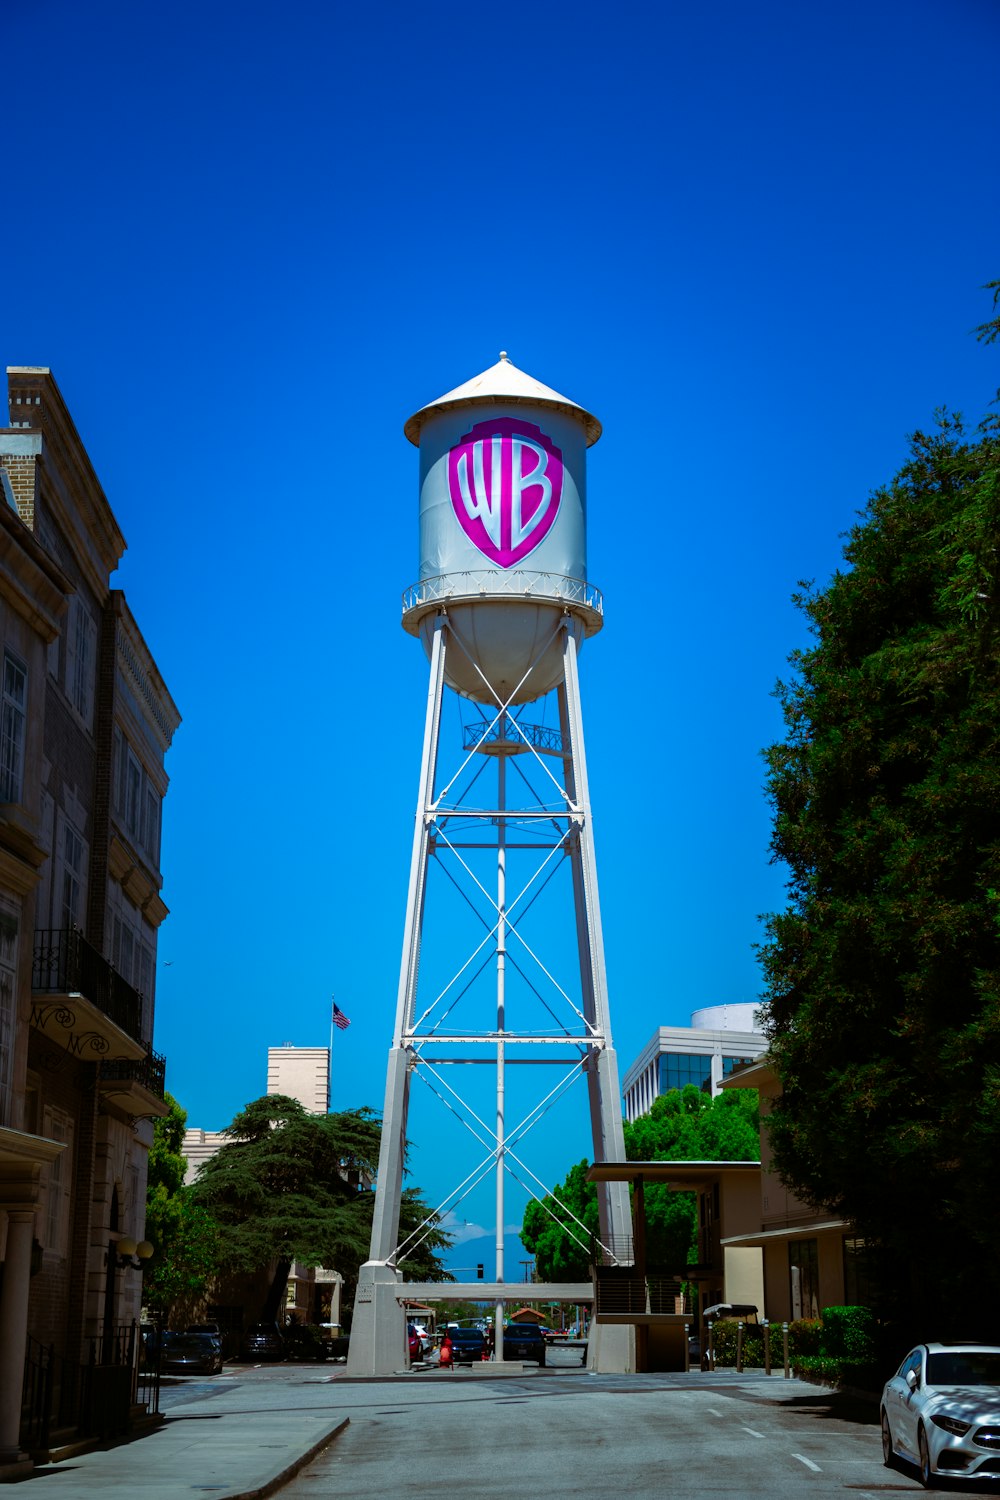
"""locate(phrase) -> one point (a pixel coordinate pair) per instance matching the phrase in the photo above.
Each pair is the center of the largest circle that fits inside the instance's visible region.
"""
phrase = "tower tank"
(503, 532)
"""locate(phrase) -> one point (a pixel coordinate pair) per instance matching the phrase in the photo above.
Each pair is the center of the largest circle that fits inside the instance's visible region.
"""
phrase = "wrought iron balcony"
(149, 1072)
(78, 997)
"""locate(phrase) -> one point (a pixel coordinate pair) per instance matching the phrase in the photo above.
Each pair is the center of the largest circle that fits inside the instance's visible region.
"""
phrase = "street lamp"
(130, 1254)
(124, 1254)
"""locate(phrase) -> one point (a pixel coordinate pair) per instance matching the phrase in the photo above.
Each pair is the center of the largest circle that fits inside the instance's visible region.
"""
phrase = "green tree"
(288, 1186)
(883, 971)
(183, 1235)
(683, 1125)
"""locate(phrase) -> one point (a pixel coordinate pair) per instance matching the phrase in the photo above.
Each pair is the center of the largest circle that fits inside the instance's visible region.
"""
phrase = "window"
(133, 797)
(151, 828)
(124, 949)
(13, 706)
(58, 1127)
(74, 873)
(137, 802)
(9, 922)
(144, 984)
(680, 1068)
(858, 1290)
(81, 659)
(729, 1063)
(803, 1271)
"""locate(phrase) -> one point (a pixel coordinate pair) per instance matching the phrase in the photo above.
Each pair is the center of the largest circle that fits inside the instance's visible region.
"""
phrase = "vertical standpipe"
(502, 605)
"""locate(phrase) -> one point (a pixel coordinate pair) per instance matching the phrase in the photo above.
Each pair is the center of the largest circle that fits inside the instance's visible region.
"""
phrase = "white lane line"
(752, 1430)
(808, 1463)
(713, 1411)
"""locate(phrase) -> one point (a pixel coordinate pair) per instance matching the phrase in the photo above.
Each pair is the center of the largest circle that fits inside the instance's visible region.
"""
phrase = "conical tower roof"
(505, 383)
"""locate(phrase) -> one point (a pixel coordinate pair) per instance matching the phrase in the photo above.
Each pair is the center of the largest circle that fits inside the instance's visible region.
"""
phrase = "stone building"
(85, 723)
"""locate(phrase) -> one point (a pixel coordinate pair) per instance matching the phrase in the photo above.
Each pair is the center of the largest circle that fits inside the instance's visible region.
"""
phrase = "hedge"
(840, 1346)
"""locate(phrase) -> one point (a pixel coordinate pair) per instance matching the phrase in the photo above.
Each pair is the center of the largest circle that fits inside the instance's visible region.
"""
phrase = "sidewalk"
(239, 1444)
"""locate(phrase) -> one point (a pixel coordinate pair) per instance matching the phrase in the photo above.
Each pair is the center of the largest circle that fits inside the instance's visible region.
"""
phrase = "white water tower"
(502, 605)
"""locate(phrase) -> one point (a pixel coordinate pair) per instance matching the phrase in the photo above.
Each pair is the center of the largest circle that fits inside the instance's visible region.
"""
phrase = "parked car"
(305, 1342)
(416, 1343)
(467, 1345)
(192, 1354)
(941, 1411)
(263, 1341)
(212, 1328)
(523, 1341)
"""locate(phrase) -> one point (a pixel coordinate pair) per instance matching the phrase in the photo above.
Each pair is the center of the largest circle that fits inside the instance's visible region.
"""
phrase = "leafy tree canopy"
(183, 1234)
(285, 1187)
(683, 1125)
(883, 972)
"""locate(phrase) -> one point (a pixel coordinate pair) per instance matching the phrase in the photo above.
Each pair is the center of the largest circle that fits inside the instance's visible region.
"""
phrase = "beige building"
(811, 1259)
(85, 723)
(303, 1073)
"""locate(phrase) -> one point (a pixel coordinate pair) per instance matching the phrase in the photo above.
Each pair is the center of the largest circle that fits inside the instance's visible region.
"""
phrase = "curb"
(290, 1470)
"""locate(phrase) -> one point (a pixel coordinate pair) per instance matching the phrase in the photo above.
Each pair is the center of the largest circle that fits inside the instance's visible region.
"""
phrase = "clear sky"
(251, 239)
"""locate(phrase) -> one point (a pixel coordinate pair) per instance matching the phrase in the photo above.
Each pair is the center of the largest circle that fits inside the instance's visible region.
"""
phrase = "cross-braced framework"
(499, 829)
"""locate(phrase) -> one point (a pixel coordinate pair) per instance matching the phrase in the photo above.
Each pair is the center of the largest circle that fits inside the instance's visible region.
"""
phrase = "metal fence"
(95, 1398)
(64, 963)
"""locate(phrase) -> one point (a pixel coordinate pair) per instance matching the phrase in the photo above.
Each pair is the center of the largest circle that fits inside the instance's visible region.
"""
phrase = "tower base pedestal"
(611, 1348)
(378, 1329)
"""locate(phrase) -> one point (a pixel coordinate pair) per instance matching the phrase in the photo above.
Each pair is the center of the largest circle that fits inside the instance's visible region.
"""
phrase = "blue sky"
(252, 239)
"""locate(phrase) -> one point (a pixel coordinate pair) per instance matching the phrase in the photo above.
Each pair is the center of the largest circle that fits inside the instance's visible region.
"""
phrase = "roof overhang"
(802, 1231)
(684, 1175)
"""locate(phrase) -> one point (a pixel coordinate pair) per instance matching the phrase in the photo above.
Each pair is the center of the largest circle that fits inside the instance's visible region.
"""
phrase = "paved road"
(591, 1436)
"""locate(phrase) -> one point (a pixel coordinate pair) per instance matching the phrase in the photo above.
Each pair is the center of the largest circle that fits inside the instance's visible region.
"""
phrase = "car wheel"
(888, 1456)
(927, 1476)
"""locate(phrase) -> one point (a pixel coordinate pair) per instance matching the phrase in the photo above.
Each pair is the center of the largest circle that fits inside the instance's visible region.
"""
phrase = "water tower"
(502, 607)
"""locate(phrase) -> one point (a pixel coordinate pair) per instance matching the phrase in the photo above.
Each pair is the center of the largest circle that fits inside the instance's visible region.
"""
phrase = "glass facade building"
(719, 1039)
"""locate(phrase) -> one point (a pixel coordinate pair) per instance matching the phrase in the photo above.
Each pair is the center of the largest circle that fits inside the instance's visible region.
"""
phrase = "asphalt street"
(305, 1432)
(592, 1436)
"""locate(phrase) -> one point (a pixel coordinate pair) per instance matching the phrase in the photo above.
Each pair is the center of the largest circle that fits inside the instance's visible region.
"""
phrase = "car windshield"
(192, 1341)
(964, 1367)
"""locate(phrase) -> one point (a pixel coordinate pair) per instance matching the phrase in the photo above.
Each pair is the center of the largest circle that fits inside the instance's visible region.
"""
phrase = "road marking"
(713, 1411)
(752, 1430)
(808, 1463)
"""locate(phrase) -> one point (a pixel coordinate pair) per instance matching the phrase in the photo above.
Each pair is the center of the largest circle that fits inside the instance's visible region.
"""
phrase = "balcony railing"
(65, 963)
(640, 1296)
(150, 1071)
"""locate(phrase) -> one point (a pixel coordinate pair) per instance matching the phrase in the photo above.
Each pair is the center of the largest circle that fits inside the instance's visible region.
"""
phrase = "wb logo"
(505, 479)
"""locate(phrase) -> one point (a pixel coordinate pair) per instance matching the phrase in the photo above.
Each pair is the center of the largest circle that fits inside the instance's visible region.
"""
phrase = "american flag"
(339, 1019)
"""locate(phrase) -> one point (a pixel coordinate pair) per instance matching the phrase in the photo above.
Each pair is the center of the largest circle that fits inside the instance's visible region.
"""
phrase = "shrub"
(804, 1335)
(803, 1340)
(848, 1334)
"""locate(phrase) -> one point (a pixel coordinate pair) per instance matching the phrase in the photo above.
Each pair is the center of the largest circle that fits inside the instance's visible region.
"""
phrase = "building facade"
(303, 1073)
(811, 1258)
(720, 1038)
(86, 724)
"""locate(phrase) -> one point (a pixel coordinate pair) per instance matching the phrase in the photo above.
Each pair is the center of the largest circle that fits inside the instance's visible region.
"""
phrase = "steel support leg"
(378, 1346)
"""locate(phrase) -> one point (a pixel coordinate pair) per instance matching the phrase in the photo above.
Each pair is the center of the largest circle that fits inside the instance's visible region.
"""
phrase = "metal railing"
(150, 1071)
(91, 1399)
(614, 1250)
(538, 736)
(65, 963)
(36, 1394)
(494, 583)
(639, 1296)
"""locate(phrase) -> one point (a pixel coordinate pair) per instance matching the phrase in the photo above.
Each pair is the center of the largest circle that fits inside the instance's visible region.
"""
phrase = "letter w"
(482, 504)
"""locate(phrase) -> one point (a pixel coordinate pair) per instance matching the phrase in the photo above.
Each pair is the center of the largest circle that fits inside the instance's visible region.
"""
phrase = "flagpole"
(329, 1076)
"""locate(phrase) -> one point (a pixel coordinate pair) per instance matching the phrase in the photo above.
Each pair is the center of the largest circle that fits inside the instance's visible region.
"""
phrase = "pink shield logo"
(505, 478)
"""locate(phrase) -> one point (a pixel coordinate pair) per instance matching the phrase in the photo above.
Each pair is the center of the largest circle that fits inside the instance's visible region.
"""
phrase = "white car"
(941, 1411)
